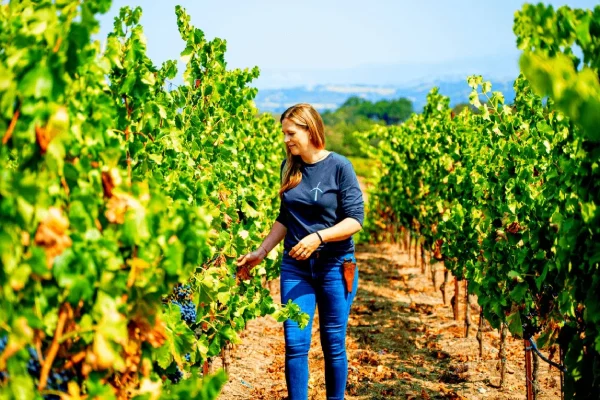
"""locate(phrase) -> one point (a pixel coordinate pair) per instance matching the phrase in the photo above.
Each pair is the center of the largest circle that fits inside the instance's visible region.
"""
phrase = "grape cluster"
(546, 302)
(549, 289)
(188, 311)
(530, 327)
(176, 376)
(57, 380)
(181, 297)
(182, 292)
(3, 343)
(579, 320)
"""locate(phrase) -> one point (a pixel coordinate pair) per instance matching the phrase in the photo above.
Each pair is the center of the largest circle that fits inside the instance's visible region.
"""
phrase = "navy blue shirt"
(327, 194)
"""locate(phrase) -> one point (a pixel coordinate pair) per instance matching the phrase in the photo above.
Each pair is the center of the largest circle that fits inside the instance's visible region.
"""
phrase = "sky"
(311, 42)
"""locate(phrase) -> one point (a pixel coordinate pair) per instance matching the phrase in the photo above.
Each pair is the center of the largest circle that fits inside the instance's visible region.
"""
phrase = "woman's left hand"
(305, 247)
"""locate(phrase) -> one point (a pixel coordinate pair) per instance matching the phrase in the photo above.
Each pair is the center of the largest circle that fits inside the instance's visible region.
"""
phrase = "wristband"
(317, 232)
(265, 250)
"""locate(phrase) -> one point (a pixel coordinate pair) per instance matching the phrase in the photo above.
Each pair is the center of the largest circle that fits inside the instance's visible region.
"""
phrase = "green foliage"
(113, 190)
(549, 61)
(365, 167)
(548, 38)
(292, 311)
(202, 389)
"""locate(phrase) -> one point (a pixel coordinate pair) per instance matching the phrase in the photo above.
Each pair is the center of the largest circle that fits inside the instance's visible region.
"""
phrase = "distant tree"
(354, 101)
(389, 111)
(461, 106)
(394, 111)
(357, 115)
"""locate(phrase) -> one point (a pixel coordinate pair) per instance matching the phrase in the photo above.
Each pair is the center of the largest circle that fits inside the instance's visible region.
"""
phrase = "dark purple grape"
(188, 311)
(3, 343)
(182, 292)
(176, 376)
(33, 364)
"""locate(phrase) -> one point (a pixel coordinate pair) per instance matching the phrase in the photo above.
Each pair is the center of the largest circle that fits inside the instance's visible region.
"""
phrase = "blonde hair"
(307, 118)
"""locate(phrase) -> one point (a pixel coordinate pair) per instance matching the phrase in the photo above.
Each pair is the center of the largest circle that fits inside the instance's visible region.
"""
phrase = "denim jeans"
(317, 281)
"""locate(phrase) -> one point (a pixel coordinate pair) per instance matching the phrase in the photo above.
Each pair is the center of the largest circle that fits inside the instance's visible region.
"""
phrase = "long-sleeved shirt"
(327, 194)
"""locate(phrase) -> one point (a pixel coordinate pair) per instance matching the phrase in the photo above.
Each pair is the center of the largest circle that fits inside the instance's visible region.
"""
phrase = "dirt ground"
(403, 343)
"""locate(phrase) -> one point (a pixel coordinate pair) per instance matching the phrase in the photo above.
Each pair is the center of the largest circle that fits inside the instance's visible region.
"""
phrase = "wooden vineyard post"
(433, 275)
(561, 355)
(423, 263)
(398, 236)
(480, 333)
(225, 356)
(413, 248)
(456, 298)
(401, 239)
(467, 309)
(502, 353)
(534, 375)
(416, 250)
(408, 245)
(444, 285)
(206, 368)
(528, 371)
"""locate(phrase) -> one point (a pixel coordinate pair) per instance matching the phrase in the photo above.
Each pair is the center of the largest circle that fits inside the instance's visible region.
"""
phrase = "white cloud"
(360, 89)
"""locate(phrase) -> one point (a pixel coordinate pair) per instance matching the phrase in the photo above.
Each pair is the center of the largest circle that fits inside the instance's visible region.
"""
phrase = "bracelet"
(317, 232)
(265, 250)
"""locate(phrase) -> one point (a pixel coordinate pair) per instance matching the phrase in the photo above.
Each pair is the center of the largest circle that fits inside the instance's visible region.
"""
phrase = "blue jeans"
(317, 281)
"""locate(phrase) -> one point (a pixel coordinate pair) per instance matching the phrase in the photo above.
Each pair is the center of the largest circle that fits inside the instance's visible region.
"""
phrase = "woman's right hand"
(248, 261)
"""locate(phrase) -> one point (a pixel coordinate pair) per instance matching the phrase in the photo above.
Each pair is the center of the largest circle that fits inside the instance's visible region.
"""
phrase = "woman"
(321, 208)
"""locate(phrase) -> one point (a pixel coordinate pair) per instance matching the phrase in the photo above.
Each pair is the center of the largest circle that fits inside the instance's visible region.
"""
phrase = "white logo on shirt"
(316, 189)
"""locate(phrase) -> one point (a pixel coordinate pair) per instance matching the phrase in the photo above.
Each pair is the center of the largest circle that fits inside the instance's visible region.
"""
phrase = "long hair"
(307, 118)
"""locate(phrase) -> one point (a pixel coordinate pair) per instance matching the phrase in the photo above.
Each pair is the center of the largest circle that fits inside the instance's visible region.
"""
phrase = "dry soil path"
(403, 343)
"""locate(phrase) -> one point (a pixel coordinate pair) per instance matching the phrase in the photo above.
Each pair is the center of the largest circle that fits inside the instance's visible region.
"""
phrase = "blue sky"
(332, 41)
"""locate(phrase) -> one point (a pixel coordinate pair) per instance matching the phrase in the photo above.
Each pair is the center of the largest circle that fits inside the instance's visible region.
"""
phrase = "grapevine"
(508, 196)
(114, 191)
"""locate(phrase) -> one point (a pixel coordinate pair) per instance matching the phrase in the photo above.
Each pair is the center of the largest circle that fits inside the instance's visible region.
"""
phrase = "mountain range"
(329, 88)
(330, 97)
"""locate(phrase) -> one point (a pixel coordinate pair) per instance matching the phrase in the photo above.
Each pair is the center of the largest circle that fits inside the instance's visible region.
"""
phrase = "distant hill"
(324, 97)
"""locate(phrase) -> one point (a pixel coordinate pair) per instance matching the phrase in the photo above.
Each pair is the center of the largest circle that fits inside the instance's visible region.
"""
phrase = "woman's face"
(296, 138)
